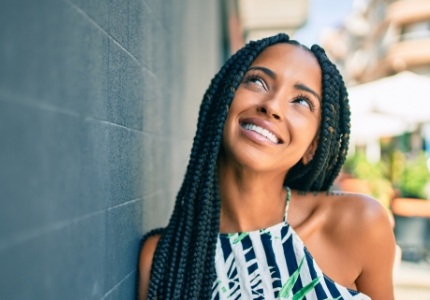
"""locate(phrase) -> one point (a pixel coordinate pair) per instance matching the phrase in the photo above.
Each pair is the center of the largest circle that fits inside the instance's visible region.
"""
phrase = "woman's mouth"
(262, 131)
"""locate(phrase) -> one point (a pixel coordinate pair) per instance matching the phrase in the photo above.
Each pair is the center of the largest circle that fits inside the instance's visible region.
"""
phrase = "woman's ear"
(310, 152)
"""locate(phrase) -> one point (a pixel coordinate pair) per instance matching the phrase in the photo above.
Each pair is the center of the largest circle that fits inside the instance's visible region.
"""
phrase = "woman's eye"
(256, 80)
(305, 101)
(253, 79)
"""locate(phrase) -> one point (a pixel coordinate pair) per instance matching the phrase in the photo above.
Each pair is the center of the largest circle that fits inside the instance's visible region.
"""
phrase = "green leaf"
(289, 284)
(306, 289)
(240, 237)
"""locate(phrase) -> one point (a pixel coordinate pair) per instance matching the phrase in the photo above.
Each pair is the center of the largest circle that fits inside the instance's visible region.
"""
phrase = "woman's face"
(275, 115)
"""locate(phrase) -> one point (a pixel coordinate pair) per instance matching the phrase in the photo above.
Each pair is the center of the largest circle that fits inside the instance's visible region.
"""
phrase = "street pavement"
(412, 281)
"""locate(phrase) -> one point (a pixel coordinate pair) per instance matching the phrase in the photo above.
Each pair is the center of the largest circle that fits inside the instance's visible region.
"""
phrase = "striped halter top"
(272, 263)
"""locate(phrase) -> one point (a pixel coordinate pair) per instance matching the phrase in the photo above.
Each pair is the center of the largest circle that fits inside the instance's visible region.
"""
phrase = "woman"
(254, 218)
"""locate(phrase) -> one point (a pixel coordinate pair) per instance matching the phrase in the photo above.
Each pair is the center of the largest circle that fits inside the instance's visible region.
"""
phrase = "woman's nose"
(270, 108)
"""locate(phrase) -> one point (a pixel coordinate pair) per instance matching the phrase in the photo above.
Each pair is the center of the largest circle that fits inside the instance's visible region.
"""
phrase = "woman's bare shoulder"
(338, 206)
(145, 262)
(148, 248)
(355, 207)
(355, 213)
(362, 226)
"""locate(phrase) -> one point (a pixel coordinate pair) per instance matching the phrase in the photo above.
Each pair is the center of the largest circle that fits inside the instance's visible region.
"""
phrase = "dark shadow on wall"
(98, 102)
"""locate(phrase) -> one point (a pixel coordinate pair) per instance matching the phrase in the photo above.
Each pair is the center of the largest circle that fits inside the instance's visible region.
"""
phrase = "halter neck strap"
(287, 204)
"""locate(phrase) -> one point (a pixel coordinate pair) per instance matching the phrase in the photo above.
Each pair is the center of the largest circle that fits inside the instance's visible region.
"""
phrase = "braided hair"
(183, 265)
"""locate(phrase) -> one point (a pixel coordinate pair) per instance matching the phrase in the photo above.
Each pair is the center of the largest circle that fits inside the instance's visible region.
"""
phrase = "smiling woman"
(275, 113)
(255, 217)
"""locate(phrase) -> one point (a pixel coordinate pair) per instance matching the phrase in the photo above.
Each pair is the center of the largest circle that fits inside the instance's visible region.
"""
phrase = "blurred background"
(98, 109)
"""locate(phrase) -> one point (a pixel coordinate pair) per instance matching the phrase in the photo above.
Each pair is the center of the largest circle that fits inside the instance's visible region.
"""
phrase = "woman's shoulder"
(145, 263)
(354, 217)
(338, 205)
(352, 239)
(351, 211)
(148, 249)
(342, 214)
(360, 225)
(353, 207)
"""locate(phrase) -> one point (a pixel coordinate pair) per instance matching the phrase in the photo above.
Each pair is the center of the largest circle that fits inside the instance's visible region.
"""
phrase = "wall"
(98, 103)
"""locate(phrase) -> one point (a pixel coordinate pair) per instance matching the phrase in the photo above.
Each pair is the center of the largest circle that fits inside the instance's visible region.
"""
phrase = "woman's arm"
(145, 263)
(377, 247)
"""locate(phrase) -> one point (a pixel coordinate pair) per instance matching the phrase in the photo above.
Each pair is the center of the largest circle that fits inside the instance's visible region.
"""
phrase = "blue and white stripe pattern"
(271, 264)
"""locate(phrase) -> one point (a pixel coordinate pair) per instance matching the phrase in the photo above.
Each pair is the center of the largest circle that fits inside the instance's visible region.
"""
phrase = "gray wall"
(98, 104)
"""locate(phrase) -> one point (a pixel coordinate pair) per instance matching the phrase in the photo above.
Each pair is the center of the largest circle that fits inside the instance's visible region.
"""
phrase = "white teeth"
(264, 132)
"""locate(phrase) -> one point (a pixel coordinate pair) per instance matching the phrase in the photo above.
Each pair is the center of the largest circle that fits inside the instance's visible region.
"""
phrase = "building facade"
(381, 38)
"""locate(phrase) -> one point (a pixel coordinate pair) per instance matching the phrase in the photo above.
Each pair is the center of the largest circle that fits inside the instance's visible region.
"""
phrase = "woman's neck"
(250, 200)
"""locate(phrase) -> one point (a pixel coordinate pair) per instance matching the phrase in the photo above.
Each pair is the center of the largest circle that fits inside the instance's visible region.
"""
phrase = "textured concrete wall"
(98, 102)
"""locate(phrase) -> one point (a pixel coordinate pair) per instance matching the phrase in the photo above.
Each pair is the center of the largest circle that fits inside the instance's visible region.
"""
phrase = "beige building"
(254, 19)
(381, 38)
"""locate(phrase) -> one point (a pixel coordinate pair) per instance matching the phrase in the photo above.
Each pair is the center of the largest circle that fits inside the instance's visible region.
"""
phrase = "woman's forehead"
(293, 63)
(280, 51)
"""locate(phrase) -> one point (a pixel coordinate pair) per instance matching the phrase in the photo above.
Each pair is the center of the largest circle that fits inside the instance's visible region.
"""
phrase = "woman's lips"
(261, 130)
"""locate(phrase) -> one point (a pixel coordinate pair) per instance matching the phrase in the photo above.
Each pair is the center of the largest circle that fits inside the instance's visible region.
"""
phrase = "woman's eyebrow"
(269, 72)
(303, 87)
